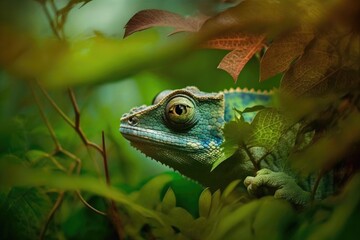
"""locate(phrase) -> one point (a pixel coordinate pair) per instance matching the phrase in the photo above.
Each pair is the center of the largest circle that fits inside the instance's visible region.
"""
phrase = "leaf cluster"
(265, 131)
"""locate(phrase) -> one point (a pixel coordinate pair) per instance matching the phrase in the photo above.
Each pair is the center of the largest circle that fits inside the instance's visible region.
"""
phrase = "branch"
(43, 116)
(113, 211)
(57, 204)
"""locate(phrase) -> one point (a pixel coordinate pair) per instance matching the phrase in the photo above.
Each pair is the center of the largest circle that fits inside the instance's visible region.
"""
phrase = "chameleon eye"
(180, 112)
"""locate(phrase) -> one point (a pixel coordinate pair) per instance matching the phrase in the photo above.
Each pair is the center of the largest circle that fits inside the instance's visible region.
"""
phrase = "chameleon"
(183, 129)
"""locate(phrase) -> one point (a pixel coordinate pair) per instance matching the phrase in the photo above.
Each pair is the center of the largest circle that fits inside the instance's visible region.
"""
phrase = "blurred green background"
(25, 137)
(103, 104)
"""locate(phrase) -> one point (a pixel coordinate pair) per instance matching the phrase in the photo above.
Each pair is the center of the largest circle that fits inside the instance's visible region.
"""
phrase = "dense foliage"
(66, 173)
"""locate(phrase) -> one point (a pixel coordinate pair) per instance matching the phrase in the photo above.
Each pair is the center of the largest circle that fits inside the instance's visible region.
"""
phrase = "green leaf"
(17, 175)
(253, 109)
(205, 203)
(268, 126)
(150, 194)
(235, 134)
(23, 213)
(215, 202)
(230, 188)
(52, 62)
(169, 201)
(237, 222)
(273, 219)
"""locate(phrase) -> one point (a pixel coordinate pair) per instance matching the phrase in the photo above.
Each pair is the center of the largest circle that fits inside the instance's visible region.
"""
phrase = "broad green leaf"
(205, 203)
(17, 175)
(268, 126)
(23, 213)
(87, 61)
(274, 219)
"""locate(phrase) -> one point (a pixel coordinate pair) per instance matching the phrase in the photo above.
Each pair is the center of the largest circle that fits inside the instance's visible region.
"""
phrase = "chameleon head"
(182, 129)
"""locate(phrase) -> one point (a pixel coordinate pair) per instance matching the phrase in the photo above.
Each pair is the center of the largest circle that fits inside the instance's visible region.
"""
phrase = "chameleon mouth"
(157, 138)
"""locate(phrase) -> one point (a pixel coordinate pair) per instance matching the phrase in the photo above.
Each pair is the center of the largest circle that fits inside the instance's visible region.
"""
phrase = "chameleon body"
(183, 129)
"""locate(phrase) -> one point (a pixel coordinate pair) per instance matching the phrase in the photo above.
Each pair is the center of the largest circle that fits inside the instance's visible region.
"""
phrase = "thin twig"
(58, 148)
(46, 121)
(316, 185)
(75, 106)
(77, 126)
(78, 193)
(106, 168)
(113, 211)
(55, 106)
(51, 22)
(57, 204)
(251, 157)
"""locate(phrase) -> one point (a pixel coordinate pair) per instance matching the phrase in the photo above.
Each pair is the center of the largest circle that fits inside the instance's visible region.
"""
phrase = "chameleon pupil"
(180, 109)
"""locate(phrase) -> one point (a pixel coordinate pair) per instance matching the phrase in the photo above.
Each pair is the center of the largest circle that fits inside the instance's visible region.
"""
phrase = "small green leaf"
(268, 126)
(215, 202)
(150, 194)
(227, 152)
(235, 134)
(180, 218)
(169, 201)
(237, 222)
(253, 109)
(230, 188)
(205, 203)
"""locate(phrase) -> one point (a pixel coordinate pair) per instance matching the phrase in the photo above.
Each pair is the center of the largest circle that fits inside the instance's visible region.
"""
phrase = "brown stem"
(77, 126)
(51, 22)
(251, 157)
(57, 204)
(113, 211)
(78, 193)
(316, 185)
(55, 106)
(46, 121)
(107, 175)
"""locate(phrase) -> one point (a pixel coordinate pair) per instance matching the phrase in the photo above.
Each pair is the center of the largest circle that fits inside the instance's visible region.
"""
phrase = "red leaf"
(243, 50)
(159, 18)
(233, 41)
(283, 51)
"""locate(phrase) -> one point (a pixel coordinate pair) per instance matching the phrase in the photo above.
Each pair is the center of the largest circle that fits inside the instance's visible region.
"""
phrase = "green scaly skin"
(183, 129)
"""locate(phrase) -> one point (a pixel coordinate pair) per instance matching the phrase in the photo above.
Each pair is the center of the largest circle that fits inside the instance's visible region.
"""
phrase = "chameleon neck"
(240, 99)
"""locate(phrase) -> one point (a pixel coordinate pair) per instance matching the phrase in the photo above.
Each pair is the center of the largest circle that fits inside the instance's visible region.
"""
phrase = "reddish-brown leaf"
(315, 67)
(233, 41)
(243, 51)
(283, 51)
(159, 18)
